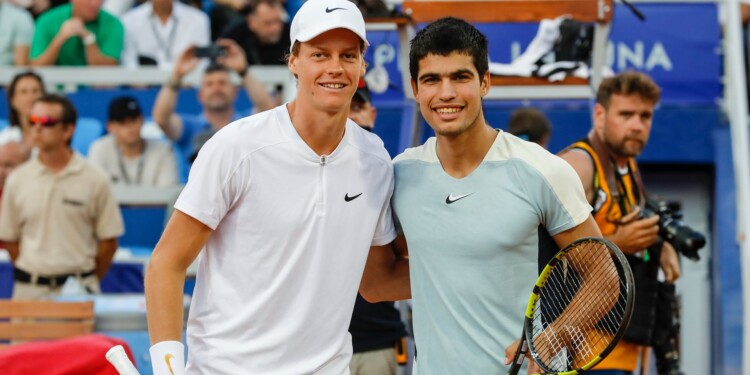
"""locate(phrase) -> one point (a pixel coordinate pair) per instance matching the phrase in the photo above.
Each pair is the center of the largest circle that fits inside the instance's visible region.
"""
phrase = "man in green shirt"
(79, 33)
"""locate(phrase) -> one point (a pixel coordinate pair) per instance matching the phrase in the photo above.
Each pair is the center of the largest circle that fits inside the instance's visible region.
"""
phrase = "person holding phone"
(217, 94)
(283, 207)
(157, 31)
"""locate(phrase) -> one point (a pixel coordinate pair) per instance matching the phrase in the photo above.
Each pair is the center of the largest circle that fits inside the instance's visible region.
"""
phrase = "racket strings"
(574, 339)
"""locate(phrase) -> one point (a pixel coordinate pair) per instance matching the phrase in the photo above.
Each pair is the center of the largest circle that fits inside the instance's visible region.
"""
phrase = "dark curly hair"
(446, 36)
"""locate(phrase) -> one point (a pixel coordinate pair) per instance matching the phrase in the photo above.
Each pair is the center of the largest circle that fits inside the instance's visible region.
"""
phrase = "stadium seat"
(88, 130)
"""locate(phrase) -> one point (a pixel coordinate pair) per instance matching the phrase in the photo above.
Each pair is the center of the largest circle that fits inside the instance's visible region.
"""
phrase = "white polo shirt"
(278, 278)
(146, 35)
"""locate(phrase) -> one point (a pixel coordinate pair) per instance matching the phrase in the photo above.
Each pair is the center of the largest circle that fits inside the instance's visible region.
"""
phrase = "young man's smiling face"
(328, 68)
(449, 91)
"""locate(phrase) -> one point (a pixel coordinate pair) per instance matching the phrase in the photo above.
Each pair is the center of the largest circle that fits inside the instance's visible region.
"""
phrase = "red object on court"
(74, 356)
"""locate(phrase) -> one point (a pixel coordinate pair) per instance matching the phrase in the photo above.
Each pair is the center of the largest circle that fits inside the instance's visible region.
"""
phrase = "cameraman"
(605, 162)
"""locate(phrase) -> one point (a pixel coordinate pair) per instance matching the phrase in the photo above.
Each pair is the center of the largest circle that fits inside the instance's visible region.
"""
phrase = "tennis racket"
(117, 357)
(579, 309)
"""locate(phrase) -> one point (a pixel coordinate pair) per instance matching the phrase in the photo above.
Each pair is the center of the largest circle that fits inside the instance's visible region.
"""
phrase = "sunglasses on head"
(45, 121)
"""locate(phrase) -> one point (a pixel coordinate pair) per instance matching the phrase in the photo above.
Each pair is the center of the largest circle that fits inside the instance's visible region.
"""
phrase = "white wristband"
(89, 39)
(168, 358)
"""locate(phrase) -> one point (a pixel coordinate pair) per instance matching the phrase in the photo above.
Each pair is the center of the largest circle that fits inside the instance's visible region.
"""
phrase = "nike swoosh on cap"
(332, 9)
(450, 198)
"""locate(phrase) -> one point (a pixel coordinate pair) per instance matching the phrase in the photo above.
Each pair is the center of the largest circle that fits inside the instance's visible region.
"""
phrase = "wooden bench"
(44, 320)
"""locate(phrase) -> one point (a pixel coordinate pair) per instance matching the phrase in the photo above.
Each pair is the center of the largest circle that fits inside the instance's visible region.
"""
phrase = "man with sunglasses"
(60, 220)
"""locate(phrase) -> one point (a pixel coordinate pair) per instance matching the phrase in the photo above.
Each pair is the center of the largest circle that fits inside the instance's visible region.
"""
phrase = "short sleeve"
(111, 36)
(563, 202)
(109, 222)
(385, 232)
(10, 220)
(203, 31)
(25, 29)
(130, 50)
(218, 178)
(43, 36)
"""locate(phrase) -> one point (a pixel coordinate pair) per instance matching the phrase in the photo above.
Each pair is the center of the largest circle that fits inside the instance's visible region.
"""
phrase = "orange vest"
(608, 209)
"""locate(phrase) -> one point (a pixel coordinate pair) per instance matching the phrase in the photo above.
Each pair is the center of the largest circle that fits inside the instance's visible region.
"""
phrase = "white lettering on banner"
(627, 57)
(383, 54)
(634, 57)
(658, 56)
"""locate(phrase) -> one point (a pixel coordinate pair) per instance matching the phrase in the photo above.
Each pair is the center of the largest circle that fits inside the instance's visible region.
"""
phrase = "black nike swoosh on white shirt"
(349, 199)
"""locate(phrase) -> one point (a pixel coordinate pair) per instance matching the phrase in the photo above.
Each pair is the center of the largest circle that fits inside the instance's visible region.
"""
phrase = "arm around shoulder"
(386, 276)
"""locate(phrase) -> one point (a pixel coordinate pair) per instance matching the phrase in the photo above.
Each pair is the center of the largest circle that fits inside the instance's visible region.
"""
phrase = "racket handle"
(519, 357)
(117, 357)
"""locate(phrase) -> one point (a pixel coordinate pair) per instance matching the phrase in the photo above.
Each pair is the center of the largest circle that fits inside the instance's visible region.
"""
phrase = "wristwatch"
(89, 39)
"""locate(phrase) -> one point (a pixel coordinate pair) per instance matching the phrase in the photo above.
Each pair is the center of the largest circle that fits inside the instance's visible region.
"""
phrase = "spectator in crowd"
(23, 90)
(605, 162)
(283, 207)
(473, 203)
(59, 216)
(361, 110)
(12, 154)
(224, 13)
(128, 158)
(76, 34)
(118, 8)
(378, 334)
(158, 31)
(263, 35)
(217, 95)
(16, 33)
(34, 7)
(530, 125)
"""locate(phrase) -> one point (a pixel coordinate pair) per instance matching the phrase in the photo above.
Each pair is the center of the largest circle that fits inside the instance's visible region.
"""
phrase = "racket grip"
(519, 357)
(120, 361)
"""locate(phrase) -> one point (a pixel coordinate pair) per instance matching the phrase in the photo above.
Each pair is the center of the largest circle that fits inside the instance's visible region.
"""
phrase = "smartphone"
(211, 51)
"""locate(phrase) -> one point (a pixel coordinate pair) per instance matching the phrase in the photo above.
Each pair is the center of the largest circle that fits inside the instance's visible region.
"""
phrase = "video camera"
(673, 230)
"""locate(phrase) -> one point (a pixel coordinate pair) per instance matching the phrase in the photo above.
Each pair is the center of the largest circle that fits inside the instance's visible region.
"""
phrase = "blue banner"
(679, 45)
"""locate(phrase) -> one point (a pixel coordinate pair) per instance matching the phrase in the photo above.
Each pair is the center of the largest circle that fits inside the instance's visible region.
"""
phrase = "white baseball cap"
(318, 16)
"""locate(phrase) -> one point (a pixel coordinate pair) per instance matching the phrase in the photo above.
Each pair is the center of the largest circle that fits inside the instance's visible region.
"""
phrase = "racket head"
(561, 341)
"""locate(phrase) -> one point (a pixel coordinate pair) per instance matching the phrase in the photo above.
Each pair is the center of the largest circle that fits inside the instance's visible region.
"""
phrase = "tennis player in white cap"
(284, 207)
